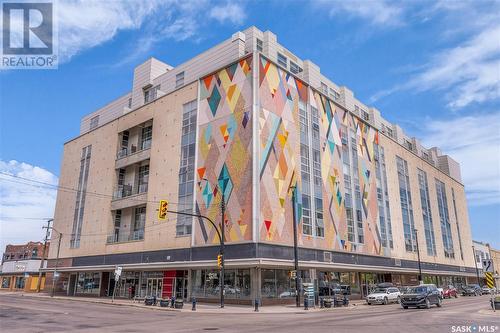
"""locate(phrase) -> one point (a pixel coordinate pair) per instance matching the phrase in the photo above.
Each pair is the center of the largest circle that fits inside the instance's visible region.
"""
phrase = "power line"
(73, 190)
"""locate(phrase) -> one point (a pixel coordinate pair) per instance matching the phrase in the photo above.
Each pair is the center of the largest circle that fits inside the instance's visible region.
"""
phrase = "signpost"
(490, 281)
(118, 273)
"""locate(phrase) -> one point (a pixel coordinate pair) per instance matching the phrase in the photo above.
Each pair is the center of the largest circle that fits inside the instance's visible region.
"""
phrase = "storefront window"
(88, 283)
(236, 283)
(128, 284)
(349, 283)
(151, 284)
(6, 282)
(20, 280)
(277, 284)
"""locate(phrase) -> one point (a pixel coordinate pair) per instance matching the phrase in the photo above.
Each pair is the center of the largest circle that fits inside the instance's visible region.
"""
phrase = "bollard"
(194, 304)
(321, 303)
(306, 303)
(256, 304)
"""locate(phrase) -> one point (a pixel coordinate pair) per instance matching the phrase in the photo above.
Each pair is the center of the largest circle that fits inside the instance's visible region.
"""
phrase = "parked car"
(423, 295)
(471, 290)
(450, 291)
(383, 296)
(485, 290)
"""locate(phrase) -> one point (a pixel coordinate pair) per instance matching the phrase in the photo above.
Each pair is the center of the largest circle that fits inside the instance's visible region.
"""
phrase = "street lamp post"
(418, 256)
(295, 249)
(57, 262)
(221, 238)
(223, 210)
(475, 263)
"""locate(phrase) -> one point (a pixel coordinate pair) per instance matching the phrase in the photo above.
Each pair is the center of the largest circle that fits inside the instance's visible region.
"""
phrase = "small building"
(21, 265)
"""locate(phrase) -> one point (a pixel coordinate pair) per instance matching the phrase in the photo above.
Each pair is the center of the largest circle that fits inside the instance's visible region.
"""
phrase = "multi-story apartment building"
(250, 122)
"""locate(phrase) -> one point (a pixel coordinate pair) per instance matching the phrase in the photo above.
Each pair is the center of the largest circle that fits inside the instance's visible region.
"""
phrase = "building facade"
(249, 125)
(21, 265)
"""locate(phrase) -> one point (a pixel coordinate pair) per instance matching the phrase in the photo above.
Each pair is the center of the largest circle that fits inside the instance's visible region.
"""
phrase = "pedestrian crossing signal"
(219, 260)
(162, 210)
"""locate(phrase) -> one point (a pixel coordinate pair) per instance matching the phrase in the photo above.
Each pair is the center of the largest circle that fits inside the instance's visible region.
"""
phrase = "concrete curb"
(200, 309)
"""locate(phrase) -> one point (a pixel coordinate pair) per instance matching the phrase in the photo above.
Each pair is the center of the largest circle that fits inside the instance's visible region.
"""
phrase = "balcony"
(132, 155)
(127, 196)
(136, 235)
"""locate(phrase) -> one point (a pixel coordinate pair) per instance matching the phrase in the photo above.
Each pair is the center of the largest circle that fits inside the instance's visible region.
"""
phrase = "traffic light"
(219, 260)
(162, 210)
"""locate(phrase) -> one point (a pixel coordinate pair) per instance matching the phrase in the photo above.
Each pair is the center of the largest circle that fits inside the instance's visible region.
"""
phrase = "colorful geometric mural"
(280, 165)
(279, 95)
(225, 153)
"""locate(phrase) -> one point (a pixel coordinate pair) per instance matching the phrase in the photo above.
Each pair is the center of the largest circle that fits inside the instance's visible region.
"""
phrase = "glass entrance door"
(154, 287)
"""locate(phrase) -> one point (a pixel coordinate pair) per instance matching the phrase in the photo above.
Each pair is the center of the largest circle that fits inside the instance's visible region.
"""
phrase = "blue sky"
(431, 66)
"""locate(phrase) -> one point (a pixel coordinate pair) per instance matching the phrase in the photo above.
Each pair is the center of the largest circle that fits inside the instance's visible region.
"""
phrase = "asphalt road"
(30, 314)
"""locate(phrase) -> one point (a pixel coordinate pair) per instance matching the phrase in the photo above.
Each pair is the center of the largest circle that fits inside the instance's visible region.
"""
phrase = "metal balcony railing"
(125, 151)
(121, 237)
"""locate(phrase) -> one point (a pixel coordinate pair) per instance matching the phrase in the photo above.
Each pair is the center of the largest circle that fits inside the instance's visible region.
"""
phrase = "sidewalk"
(200, 307)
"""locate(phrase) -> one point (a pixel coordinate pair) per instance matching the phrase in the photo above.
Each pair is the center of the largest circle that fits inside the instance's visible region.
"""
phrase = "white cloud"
(474, 141)
(86, 24)
(467, 72)
(231, 11)
(380, 12)
(21, 205)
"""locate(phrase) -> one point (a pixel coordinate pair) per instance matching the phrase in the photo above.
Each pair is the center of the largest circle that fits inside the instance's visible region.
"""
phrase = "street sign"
(118, 271)
(490, 282)
(488, 265)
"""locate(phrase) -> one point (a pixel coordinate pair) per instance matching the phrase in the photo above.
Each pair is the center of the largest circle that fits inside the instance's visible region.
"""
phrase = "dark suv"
(421, 296)
(471, 290)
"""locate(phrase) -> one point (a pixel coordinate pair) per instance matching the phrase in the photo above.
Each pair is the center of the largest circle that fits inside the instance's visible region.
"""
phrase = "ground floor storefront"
(21, 282)
(241, 285)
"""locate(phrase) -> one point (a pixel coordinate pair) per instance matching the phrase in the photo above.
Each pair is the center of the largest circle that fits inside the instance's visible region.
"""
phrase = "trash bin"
(164, 303)
(149, 301)
(179, 303)
(327, 302)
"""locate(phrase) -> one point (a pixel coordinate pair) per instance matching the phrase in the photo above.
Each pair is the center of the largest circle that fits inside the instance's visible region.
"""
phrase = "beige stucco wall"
(166, 113)
(393, 149)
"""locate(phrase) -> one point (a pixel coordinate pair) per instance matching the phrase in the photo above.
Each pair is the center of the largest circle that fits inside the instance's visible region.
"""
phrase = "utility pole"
(295, 249)
(223, 210)
(418, 256)
(57, 262)
(475, 263)
(47, 232)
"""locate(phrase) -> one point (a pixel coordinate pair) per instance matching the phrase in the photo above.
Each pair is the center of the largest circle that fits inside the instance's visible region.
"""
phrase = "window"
(382, 197)
(305, 168)
(259, 45)
(406, 205)
(444, 220)
(317, 180)
(390, 132)
(324, 88)
(80, 196)
(88, 283)
(34, 253)
(409, 145)
(458, 225)
(146, 136)
(143, 178)
(150, 94)
(282, 60)
(137, 233)
(179, 79)
(117, 225)
(426, 213)
(130, 103)
(186, 168)
(294, 68)
(94, 122)
(365, 115)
